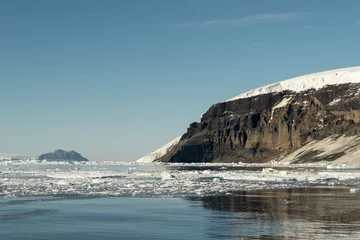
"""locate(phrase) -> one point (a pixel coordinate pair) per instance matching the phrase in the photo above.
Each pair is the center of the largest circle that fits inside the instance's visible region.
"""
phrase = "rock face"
(263, 126)
(63, 155)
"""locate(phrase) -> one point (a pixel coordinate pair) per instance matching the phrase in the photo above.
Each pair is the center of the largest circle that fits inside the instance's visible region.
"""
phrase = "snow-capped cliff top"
(159, 152)
(306, 82)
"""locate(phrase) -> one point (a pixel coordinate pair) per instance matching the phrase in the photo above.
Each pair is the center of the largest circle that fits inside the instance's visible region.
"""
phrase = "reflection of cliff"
(300, 213)
(310, 204)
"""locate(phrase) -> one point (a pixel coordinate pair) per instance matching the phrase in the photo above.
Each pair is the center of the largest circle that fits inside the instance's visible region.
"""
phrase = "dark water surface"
(312, 213)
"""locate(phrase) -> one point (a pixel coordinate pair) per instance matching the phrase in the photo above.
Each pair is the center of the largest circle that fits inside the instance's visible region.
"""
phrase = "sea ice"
(166, 180)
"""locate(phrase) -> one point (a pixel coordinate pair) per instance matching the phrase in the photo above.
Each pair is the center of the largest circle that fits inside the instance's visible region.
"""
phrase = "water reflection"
(312, 213)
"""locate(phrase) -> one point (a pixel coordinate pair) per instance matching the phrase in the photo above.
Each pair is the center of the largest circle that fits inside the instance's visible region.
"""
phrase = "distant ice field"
(33, 178)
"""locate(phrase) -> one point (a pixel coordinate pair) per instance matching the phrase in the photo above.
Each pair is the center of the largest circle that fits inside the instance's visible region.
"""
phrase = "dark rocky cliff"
(63, 155)
(268, 126)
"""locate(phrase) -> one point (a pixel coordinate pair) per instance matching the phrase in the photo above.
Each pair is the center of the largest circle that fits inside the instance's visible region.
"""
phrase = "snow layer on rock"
(159, 152)
(335, 101)
(306, 82)
(283, 103)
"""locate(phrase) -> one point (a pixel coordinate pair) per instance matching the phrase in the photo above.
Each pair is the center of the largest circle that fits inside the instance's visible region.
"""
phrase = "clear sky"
(115, 80)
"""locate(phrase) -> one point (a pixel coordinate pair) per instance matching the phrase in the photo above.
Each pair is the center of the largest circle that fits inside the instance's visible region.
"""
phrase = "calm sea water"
(311, 213)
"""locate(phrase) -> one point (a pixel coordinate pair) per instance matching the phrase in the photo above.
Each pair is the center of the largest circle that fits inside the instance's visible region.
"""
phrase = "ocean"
(42, 200)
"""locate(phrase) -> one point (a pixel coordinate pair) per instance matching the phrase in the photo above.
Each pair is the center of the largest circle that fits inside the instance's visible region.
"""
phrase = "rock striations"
(313, 118)
(62, 155)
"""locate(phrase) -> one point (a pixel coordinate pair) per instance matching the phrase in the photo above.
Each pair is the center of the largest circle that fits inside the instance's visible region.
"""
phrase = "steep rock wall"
(268, 126)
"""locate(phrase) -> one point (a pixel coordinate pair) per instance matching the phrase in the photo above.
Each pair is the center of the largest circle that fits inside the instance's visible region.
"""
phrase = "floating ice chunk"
(167, 176)
(216, 179)
(270, 170)
(96, 180)
(61, 182)
(354, 190)
(206, 172)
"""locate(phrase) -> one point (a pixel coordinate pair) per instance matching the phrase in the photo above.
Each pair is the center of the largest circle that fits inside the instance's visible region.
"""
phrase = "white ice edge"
(159, 152)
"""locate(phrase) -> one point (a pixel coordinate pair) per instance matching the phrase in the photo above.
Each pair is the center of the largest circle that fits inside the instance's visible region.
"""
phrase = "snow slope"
(306, 82)
(159, 152)
(347, 149)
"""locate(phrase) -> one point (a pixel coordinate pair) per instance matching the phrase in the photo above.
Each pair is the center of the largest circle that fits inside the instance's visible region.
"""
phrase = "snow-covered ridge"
(159, 152)
(306, 82)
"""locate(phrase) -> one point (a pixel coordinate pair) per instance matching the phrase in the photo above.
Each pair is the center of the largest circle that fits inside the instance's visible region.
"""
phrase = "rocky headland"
(312, 118)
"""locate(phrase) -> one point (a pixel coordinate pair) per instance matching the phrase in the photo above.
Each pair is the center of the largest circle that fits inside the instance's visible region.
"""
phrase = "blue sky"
(114, 80)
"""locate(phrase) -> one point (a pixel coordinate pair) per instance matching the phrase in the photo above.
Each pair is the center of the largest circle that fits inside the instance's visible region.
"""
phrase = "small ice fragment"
(269, 170)
(61, 182)
(216, 180)
(206, 172)
(97, 180)
(167, 176)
